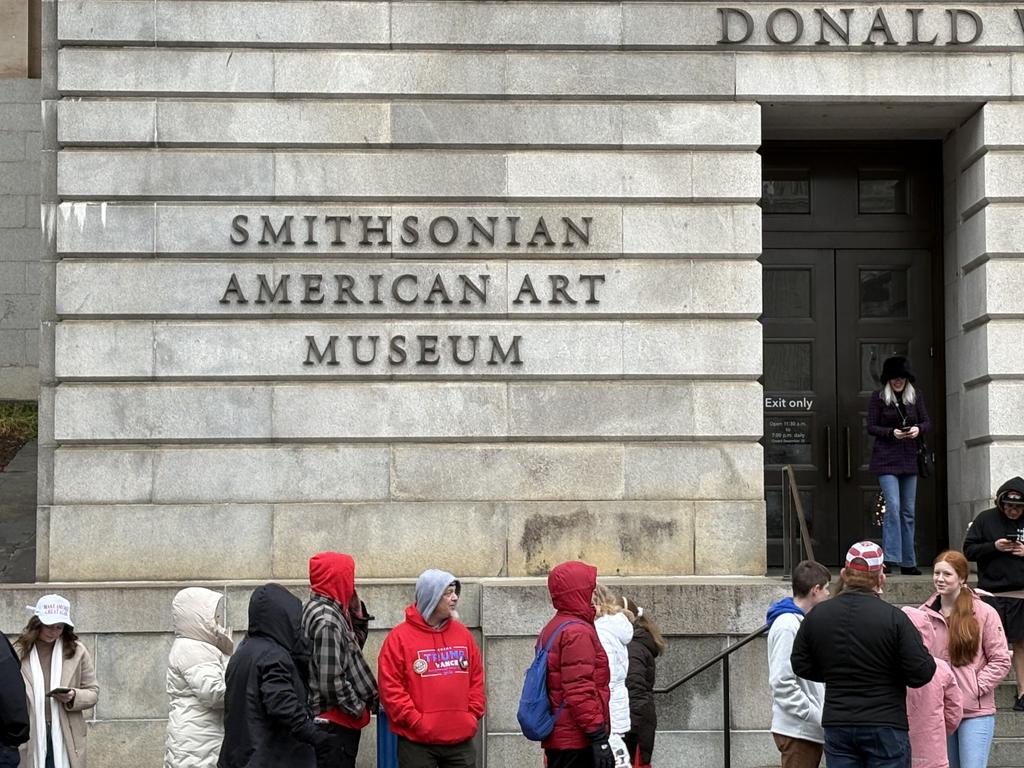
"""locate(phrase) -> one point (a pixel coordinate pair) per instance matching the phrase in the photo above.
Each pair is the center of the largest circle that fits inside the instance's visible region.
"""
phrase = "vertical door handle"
(849, 454)
(828, 453)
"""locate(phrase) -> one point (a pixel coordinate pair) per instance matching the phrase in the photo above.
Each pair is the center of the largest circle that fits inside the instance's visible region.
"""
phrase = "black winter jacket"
(997, 571)
(266, 721)
(14, 729)
(640, 684)
(867, 653)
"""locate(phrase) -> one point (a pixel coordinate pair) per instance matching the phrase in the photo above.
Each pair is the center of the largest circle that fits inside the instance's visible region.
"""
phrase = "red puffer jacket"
(577, 665)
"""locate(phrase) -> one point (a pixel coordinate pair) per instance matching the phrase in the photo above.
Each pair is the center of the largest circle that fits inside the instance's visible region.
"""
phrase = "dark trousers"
(570, 758)
(866, 747)
(346, 746)
(49, 746)
(9, 757)
(632, 741)
(413, 755)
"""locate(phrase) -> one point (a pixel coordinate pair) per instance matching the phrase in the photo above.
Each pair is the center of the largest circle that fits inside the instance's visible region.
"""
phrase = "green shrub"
(19, 420)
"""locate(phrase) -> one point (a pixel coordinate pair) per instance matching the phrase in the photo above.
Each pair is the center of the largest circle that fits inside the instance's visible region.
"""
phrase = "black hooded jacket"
(640, 683)
(997, 571)
(266, 721)
(13, 704)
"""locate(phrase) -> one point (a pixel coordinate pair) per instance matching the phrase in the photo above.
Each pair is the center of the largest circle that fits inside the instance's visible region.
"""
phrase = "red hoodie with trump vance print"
(431, 681)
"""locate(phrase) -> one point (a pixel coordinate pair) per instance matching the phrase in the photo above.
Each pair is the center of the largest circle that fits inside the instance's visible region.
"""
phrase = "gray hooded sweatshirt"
(430, 586)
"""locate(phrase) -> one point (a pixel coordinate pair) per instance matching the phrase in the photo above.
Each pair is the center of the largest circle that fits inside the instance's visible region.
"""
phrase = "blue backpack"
(535, 717)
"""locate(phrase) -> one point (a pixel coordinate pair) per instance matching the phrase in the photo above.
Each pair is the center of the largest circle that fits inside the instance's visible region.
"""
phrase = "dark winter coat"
(266, 721)
(14, 728)
(890, 456)
(867, 653)
(643, 715)
(578, 673)
(997, 571)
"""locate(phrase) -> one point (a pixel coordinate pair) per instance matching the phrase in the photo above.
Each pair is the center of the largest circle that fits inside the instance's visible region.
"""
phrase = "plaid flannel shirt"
(339, 676)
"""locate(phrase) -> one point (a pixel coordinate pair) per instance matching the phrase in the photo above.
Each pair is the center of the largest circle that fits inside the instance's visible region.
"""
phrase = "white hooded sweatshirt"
(615, 631)
(195, 680)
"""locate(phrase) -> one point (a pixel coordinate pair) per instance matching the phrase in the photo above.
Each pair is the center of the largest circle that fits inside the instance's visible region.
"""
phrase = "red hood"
(571, 586)
(333, 575)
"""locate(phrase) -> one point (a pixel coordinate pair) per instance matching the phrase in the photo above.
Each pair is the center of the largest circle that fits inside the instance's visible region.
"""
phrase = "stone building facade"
(478, 285)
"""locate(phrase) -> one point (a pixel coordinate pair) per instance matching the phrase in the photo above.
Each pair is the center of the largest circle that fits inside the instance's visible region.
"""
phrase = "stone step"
(1007, 753)
(1010, 725)
(1006, 695)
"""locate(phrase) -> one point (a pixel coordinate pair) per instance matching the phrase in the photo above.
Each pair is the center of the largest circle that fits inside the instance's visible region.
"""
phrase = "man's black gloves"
(603, 757)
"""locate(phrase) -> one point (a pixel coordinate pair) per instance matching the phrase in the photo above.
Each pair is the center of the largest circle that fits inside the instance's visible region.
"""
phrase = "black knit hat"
(896, 368)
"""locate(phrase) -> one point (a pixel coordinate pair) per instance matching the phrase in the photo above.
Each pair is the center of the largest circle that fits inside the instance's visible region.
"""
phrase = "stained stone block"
(119, 743)
(696, 124)
(123, 21)
(513, 123)
(205, 542)
(290, 23)
(637, 537)
(132, 671)
(84, 476)
(872, 76)
(733, 230)
(163, 413)
(533, 25)
(497, 472)
(222, 475)
(165, 173)
(704, 470)
(729, 538)
(171, 70)
(640, 410)
(369, 73)
(390, 175)
(102, 228)
(621, 73)
(462, 538)
(695, 347)
(274, 123)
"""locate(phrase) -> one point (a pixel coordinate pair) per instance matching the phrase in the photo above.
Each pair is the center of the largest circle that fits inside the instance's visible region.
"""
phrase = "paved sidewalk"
(18, 517)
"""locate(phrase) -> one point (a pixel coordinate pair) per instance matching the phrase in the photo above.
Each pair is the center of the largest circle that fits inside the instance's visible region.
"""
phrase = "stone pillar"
(984, 256)
(19, 238)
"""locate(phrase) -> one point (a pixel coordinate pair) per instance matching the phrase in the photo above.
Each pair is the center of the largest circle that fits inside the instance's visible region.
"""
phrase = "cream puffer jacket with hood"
(195, 680)
(615, 631)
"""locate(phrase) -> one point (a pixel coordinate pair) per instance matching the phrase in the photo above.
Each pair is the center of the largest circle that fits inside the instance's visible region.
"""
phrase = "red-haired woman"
(969, 636)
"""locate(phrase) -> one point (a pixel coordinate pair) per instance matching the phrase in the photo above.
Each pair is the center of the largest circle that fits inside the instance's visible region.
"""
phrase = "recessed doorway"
(851, 275)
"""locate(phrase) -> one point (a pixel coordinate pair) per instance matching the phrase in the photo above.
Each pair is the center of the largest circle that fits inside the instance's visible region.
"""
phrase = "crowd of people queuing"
(851, 676)
(870, 685)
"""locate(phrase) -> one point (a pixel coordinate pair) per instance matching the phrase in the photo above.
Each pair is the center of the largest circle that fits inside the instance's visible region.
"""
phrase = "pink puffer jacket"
(977, 680)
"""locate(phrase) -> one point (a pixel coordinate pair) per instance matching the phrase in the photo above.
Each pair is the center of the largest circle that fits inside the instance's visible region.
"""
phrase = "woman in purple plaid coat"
(896, 416)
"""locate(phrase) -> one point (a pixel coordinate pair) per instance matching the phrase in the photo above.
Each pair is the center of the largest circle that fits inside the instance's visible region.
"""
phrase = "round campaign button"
(419, 666)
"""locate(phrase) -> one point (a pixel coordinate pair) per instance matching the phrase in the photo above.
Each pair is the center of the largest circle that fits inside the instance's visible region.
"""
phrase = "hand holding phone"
(56, 691)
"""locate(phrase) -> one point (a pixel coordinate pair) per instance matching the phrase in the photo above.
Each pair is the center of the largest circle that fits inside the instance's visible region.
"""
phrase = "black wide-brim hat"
(897, 368)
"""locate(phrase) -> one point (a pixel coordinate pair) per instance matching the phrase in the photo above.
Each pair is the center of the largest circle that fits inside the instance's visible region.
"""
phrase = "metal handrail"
(722, 658)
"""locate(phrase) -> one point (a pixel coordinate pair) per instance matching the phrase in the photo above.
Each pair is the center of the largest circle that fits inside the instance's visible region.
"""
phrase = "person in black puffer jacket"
(266, 721)
(995, 540)
(645, 647)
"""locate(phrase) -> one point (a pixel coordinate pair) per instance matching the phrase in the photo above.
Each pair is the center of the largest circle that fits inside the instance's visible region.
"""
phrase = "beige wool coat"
(79, 673)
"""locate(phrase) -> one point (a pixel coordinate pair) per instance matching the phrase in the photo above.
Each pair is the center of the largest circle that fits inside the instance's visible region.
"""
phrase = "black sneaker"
(911, 571)
(1018, 706)
(888, 568)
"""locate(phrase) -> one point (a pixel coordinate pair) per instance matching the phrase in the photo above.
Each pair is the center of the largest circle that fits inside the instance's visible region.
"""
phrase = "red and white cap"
(867, 551)
(52, 609)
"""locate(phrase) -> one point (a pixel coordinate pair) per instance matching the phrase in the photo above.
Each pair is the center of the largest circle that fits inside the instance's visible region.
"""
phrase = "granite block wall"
(20, 243)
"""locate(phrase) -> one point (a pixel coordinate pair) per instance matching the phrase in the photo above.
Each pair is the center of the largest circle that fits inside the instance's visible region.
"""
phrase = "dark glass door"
(850, 241)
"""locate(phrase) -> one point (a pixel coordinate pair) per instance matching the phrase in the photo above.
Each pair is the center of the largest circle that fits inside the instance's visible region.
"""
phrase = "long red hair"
(964, 629)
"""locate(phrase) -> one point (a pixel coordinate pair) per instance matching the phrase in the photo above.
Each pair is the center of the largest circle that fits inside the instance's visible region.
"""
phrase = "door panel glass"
(787, 293)
(872, 355)
(773, 504)
(787, 366)
(882, 192)
(786, 191)
(883, 293)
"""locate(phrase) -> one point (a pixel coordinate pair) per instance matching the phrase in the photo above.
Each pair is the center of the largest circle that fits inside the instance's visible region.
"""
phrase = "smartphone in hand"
(59, 690)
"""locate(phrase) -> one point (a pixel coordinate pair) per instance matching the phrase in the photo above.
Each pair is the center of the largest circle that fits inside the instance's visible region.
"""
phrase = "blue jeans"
(969, 745)
(866, 746)
(9, 757)
(898, 524)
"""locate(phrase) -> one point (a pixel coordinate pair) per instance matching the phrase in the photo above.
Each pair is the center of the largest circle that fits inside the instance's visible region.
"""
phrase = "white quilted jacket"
(195, 681)
(615, 632)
